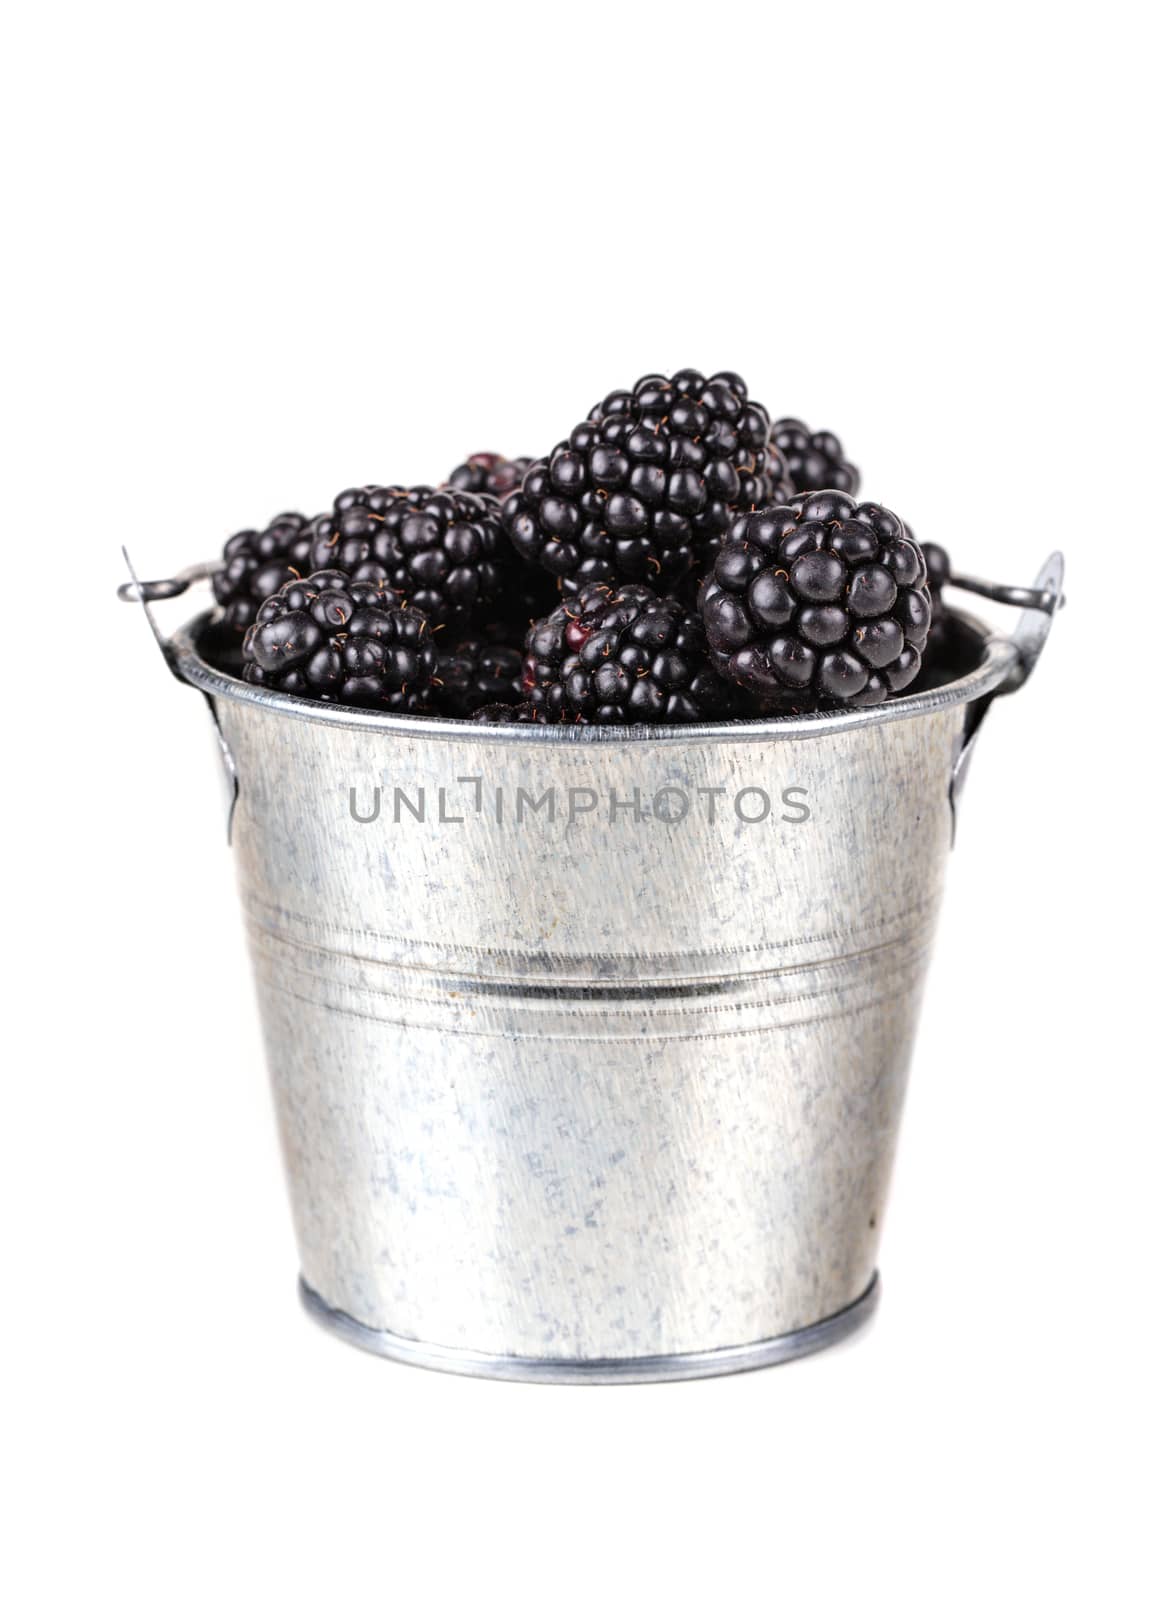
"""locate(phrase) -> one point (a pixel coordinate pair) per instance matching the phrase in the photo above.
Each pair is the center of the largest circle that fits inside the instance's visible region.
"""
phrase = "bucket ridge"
(818, 994)
(263, 915)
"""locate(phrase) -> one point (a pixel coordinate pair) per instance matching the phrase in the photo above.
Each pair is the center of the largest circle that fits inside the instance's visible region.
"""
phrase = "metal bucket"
(589, 1046)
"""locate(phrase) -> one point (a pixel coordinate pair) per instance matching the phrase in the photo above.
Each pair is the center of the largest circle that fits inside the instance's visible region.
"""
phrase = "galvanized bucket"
(589, 1046)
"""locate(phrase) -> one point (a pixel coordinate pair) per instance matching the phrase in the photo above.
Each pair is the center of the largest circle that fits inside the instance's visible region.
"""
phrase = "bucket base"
(630, 1369)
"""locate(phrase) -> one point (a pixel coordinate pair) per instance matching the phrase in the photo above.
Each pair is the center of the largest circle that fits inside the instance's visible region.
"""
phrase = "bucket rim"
(1000, 658)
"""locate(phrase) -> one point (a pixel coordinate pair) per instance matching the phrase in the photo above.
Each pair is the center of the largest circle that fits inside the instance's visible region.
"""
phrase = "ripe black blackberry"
(648, 483)
(521, 712)
(443, 551)
(478, 673)
(938, 575)
(256, 564)
(329, 638)
(938, 566)
(486, 473)
(821, 601)
(813, 460)
(622, 655)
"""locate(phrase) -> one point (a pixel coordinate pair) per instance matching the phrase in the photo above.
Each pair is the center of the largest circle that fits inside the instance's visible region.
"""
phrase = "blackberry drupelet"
(648, 484)
(443, 551)
(328, 637)
(486, 473)
(257, 564)
(813, 460)
(521, 712)
(821, 601)
(478, 673)
(622, 655)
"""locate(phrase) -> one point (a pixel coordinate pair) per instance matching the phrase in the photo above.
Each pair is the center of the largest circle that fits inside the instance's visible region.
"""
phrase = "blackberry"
(443, 551)
(824, 600)
(813, 460)
(257, 564)
(521, 712)
(938, 566)
(938, 574)
(648, 484)
(478, 673)
(622, 655)
(328, 637)
(489, 474)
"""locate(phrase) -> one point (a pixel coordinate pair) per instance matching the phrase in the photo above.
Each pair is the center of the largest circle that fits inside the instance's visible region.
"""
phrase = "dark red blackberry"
(622, 655)
(329, 638)
(489, 474)
(648, 483)
(443, 551)
(821, 601)
(813, 460)
(257, 564)
(478, 673)
(522, 712)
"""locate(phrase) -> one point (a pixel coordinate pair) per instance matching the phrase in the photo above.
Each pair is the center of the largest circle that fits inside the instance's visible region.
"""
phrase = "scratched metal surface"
(596, 1087)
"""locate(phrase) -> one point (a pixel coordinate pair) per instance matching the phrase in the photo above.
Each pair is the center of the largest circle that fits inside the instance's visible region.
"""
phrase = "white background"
(257, 253)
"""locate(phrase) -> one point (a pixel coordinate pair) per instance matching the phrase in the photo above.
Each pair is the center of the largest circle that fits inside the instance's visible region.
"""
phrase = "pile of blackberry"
(677, 558)
(645, 488)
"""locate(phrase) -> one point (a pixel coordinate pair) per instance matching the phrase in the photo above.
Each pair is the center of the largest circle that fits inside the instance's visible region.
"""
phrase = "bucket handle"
(167, 589)
(1041, 603)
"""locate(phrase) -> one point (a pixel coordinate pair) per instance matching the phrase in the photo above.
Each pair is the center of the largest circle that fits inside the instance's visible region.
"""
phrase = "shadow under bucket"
(589, 1046)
